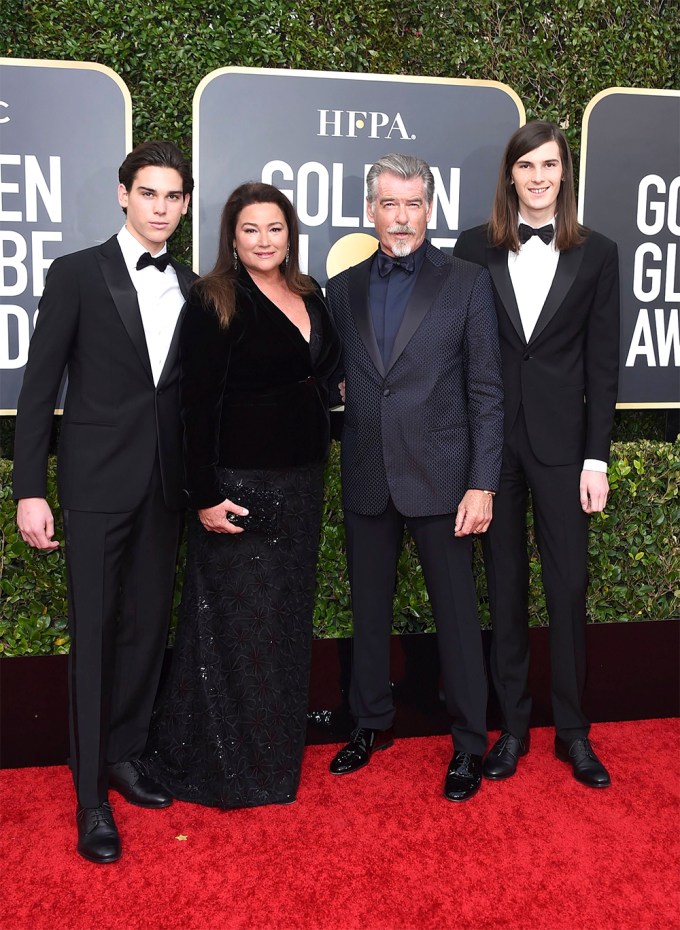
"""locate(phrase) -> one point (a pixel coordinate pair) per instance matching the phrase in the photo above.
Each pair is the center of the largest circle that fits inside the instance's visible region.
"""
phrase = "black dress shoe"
(587, 767)
(98, 838)
(463, 777)
(502, 759)
(132, 781)
(357, 753)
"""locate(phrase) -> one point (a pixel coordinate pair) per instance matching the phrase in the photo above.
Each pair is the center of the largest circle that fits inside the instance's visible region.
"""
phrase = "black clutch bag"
(264, 508)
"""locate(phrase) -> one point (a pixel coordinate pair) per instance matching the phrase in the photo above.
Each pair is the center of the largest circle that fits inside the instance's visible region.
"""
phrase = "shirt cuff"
(594, 465)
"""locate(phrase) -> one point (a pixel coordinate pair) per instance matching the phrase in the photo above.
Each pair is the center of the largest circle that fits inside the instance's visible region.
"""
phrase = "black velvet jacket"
(254, 395)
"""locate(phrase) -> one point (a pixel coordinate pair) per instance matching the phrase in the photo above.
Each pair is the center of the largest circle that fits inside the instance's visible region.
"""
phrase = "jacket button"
(386, 392)
(526, 358)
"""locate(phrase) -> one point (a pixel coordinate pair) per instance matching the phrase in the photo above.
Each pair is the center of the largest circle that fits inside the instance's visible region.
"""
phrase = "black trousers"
(561, 528)
(120, 576)
(373, 547)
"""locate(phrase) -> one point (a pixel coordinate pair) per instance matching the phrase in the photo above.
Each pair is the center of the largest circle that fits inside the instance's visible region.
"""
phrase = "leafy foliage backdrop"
(555, 56)
(633, 561)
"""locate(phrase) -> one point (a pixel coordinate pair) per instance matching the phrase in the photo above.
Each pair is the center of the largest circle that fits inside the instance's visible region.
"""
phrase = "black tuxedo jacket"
(116, 421)
(566, 376)
(427, 425)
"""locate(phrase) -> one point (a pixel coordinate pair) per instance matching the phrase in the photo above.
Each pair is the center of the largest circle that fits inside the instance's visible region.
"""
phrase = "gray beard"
(402, 249)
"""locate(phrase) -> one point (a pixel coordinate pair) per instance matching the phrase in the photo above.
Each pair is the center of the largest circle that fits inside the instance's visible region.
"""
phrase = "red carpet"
(378, 850)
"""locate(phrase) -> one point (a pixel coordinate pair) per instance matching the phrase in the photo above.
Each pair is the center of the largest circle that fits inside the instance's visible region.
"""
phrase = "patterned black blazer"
(427, 425)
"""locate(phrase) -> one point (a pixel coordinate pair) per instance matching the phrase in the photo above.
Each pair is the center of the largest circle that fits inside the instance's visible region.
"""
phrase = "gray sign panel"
(315, 134)
(65, 127)
(630, 191)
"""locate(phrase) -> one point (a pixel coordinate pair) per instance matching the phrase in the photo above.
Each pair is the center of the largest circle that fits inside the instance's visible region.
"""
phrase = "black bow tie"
(160, 261)
(386, 263)
(546, 233)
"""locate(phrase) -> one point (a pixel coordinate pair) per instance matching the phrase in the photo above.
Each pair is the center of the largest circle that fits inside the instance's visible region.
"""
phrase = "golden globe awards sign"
(314, 135)
(65, 127)
(630, 191)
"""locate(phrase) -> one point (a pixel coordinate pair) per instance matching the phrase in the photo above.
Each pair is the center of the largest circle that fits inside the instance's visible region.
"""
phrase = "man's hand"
(216, 519)
(593, 489)
(36, 523)
(474, 513)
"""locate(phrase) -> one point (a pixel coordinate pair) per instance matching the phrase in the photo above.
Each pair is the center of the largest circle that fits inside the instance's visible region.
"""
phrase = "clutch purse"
(263, 504)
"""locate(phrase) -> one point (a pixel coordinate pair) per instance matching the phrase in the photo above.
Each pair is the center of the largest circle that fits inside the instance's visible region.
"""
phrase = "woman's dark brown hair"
(217, 287)
(504, 215)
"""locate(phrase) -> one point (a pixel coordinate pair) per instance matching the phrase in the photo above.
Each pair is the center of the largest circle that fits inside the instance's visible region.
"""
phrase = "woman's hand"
(216, 519)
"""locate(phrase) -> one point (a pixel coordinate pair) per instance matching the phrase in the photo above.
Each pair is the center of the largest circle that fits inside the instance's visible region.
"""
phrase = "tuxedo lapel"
(173, 351)
(124, 296)
(185, 279)
(497, 263)
(357, 286)
(567, 269)
(422, 297)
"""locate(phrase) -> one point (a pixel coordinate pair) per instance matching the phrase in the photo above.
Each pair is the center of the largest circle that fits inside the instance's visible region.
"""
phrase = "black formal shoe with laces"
(132, 781)
(357, 753)
(98, 838)
(463, 777)
(581, 756)
(501, 760)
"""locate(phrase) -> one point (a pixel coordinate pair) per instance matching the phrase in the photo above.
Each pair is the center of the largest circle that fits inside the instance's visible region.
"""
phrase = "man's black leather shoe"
(98, 838)
(131, 780)
(357, 753)
(463, 777)
(502, 759)
(581, 756)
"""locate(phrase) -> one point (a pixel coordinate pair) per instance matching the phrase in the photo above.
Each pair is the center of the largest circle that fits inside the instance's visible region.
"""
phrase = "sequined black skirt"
(229, 725)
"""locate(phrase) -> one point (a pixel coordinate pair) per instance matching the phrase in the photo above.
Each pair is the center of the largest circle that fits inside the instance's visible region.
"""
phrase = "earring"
(287, 253)
(234, 256)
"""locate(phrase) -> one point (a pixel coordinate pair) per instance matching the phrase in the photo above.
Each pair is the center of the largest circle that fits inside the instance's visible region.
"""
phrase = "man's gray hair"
(405, 166)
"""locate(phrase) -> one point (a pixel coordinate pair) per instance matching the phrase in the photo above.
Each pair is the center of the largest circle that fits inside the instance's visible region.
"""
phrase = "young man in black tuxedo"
(556, 289)
(110, 315)
(421, 447)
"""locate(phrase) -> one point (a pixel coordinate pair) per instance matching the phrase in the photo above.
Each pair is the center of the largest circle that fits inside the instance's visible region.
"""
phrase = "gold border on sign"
(610, 92)
(333, 75)
(80, 66)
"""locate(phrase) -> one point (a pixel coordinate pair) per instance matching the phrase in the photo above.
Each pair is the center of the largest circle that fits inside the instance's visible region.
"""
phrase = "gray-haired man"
(421, 448)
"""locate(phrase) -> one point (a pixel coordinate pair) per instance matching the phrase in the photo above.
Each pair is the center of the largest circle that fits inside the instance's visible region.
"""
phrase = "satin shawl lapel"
(124, 296)
(185, 279)
(497, 263)
(427, 286)
(567, 269)
(357, 286)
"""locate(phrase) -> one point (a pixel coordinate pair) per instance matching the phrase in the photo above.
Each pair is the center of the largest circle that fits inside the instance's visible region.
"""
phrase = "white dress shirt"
(532, 271)
(160, 300)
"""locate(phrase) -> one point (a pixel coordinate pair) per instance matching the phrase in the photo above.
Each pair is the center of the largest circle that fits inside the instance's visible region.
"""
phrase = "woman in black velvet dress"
(257, 348)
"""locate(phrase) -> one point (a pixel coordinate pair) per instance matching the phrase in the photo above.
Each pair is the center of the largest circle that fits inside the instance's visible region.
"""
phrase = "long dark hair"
(217, 287)
(504, 215)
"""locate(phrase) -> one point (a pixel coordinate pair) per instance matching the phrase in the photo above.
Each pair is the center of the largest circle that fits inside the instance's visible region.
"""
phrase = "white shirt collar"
(522, 220)
(132, 248)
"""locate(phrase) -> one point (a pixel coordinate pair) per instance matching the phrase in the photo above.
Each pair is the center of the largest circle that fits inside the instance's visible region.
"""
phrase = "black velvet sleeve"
(254, 395)
(204, 364)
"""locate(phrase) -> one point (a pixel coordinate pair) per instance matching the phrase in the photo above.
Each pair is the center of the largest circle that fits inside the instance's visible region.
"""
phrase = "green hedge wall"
(633, 561)
(556, 56)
